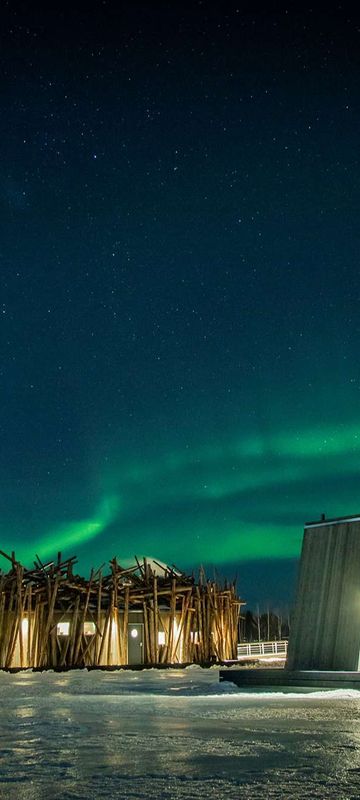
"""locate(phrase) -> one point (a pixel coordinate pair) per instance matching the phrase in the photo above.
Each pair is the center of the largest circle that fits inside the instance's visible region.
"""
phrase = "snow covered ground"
(172, 735)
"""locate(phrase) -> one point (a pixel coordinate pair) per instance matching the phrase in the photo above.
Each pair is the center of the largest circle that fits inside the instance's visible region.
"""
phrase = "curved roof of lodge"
(159, 568)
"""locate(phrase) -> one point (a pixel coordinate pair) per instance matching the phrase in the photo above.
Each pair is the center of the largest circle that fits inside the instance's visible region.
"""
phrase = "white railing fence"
(262, 649)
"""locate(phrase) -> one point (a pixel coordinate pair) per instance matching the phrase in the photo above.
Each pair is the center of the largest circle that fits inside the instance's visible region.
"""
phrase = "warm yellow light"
(24, 626)
(89, 628)
(63, 628)
(161, 637)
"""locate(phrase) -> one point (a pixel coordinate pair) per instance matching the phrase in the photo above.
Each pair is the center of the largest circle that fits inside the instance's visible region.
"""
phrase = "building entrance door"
(136, 643)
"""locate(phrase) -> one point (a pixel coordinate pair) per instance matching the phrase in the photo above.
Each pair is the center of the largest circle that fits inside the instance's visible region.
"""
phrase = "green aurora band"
(215, 504)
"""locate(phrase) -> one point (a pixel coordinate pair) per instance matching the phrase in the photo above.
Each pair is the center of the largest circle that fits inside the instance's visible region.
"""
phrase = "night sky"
(180, 327)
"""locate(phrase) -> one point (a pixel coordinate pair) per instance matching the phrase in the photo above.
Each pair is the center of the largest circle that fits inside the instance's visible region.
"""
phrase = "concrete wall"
(325, 632)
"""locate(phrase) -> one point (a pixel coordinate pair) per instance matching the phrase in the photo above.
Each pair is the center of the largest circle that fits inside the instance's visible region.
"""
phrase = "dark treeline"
(267, 626)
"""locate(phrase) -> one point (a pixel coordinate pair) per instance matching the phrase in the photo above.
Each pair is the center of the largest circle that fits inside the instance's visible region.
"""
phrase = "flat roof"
(334, 521)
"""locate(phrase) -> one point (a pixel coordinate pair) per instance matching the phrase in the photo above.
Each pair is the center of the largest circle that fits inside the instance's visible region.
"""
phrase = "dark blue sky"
(180, 328)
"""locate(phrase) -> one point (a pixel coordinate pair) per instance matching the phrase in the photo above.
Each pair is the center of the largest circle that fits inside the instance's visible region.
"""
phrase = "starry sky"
(179, 266)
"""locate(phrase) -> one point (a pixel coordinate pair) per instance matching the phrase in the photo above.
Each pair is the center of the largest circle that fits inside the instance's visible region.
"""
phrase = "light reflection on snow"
(173, 735)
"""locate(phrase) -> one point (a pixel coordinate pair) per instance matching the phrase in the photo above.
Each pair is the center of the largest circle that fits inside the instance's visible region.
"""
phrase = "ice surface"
(172, 735)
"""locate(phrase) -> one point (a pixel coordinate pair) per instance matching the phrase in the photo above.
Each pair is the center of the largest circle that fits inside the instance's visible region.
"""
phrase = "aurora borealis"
(180, 328)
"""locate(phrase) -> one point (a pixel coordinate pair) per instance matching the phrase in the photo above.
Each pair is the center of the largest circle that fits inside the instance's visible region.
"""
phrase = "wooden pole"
(156, 622)
(98, 622)
(126, 625)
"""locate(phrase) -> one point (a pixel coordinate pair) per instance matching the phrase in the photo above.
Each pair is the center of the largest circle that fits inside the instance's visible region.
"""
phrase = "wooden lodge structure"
(148, 614)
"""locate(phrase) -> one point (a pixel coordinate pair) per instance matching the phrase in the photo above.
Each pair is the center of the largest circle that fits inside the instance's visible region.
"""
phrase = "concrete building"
(325, 632)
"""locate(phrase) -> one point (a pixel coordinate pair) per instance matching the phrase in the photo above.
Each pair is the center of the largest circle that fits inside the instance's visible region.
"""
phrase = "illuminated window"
(161, 637)
(195, 637)
(63, 628)
(24, 626)
(89, 628)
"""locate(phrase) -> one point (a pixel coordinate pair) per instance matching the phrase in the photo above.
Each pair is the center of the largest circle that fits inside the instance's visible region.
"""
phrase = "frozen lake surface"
(174, 734)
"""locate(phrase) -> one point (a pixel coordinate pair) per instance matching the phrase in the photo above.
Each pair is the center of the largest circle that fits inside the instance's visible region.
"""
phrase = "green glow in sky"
(229, 502)
(70, 535)
(180, 300)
